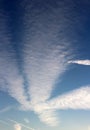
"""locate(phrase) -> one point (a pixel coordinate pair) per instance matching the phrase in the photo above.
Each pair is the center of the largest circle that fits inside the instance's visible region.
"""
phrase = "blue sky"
(44, 65)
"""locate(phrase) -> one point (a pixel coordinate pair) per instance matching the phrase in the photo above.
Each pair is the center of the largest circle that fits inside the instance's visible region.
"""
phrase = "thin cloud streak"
(15, 122)
(81, 62)
(11, 80)
(8, 108)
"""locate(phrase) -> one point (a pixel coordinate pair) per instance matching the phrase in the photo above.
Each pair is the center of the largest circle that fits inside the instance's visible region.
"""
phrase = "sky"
(44, 64)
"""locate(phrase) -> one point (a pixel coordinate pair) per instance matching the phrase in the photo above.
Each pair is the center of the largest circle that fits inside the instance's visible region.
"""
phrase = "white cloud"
(45, 51)
(42, 73)
(76, 99)
(45, 57)
(44, 62)
(81, 62)
(49, 117)
(17, 127)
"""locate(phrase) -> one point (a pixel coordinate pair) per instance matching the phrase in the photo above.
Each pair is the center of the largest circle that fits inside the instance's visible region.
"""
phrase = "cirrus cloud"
(29, 70)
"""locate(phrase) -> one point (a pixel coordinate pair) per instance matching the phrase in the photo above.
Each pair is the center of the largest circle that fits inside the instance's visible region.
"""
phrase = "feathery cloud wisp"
(81, 62)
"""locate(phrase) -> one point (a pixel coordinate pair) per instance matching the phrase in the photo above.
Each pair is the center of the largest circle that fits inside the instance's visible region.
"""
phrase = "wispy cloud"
(76, 99)
(11, 80)
(21, 125)
(44, 72)
(44, 55)
(8, 108)
(81, 62)
(49, 117)
(43, 64)
(43, 58)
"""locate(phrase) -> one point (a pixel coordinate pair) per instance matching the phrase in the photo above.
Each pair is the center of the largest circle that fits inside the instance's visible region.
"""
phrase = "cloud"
(6, 109)
(17, 127)
(76, 99)
(21, 125)
(46, 51)
(44, 73)
(11, 80)
(29, 70)
(49, 117)
(43, 67)
(81, 62)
